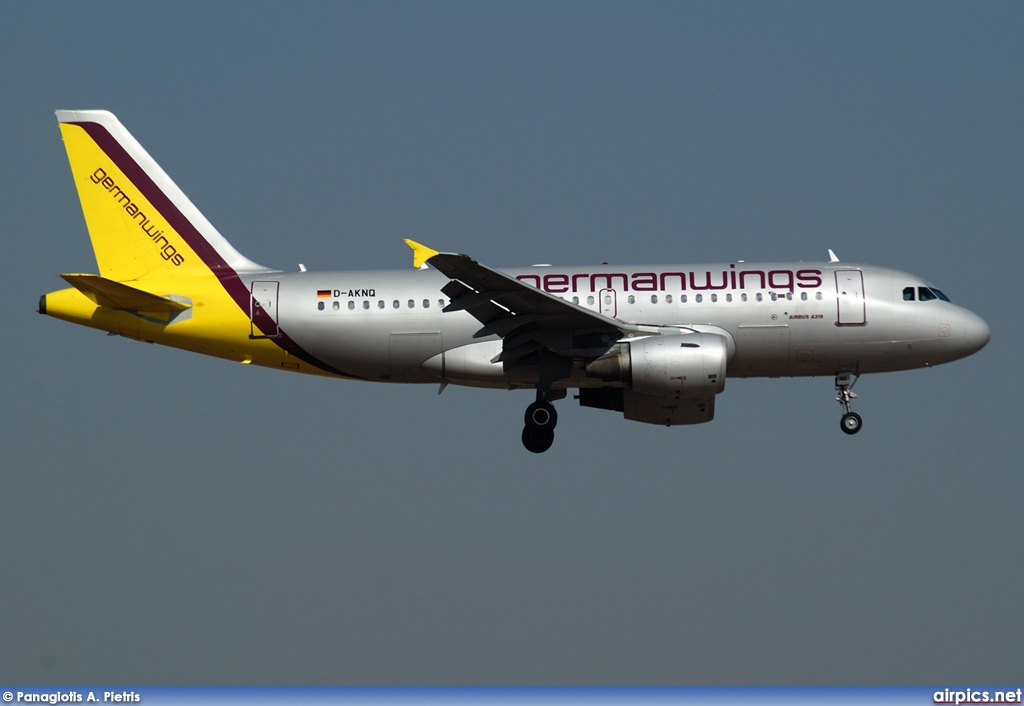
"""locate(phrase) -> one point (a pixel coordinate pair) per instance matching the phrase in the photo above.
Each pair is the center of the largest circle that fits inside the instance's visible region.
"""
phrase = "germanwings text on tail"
(653, 342)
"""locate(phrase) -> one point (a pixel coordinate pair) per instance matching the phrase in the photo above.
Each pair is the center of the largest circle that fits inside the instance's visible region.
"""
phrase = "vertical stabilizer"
(139, 221)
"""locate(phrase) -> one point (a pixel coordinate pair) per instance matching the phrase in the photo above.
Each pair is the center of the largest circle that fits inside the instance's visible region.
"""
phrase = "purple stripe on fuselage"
(226, 274)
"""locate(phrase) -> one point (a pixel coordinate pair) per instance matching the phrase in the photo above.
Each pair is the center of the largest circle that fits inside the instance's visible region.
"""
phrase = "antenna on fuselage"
(832, 256)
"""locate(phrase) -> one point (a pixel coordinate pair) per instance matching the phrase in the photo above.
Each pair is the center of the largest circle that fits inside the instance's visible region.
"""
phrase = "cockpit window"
(924, 294)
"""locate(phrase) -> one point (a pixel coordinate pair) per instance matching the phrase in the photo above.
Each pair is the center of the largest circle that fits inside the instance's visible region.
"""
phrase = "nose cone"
(976, 332)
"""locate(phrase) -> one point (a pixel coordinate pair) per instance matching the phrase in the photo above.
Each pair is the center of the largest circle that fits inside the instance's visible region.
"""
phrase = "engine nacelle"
(683, 365)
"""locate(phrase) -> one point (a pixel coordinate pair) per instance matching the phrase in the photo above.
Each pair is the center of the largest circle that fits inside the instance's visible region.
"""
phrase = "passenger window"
(682, 298)
(668, 298)
(366, 303)
(759, 297)
(336, 305)
(426, 303)
(803, 296)
(440, 303)
(743, 297)
(817, 296)
(654, 299)
(380, 303)
(575, 300)
(924, 294)
(714, 297)
(632, 299)
(590, 300)
(774, 296)
(699, 298)
(789, 296)
(728, 297)
(394, 304)
(908, 294)
(412, 304)
(320, 306)
(351, 305)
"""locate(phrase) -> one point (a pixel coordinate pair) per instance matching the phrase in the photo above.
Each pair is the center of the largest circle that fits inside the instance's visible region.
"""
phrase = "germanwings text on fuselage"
(788, 280)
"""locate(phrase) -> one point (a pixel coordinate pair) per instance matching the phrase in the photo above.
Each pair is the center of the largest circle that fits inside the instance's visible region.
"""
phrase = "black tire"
(541, 415)
(537, 440)
(850, 423)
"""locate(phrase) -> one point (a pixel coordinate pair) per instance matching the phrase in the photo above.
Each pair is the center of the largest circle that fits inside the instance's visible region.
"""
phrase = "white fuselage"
(780, 319)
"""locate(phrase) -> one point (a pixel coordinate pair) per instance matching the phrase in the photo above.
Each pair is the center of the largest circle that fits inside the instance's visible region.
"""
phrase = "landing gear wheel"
(541, 415)
(537, 440)
(850, 423)
(540, 420)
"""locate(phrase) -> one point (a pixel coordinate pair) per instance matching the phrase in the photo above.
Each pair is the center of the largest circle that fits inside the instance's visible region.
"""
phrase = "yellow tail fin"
(139, 221)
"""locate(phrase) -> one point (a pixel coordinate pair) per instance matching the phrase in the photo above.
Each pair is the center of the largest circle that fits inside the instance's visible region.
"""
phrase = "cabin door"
(263, 310)
(850, 297)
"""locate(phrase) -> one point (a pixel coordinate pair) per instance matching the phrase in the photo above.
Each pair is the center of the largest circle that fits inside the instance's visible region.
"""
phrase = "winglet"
(420, 253)
(832, 256)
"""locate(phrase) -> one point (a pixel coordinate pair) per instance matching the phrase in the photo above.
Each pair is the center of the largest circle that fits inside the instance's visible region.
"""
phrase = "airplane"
(653, 342)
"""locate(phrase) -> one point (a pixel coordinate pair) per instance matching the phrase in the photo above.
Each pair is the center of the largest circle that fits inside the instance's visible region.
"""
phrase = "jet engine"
(676, 365)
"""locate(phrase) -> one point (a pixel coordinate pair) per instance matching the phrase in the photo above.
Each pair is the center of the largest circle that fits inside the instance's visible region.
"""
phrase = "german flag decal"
(323, 293)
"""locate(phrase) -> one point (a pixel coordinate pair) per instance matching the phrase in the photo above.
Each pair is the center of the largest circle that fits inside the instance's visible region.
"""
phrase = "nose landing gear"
(540, 420)
(851, 421)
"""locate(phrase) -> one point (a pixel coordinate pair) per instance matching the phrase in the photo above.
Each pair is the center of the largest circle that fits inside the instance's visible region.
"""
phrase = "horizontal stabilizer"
(107, 292)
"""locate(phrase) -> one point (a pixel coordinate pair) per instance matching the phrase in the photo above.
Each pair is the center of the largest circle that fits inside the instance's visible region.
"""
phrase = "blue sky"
(168, 518)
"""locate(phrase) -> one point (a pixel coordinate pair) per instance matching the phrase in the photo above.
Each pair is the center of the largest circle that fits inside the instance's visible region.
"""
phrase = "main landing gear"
(851, 421)
(540, 420)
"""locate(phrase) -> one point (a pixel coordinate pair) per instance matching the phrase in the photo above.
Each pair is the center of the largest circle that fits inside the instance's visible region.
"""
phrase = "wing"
(526, 318)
